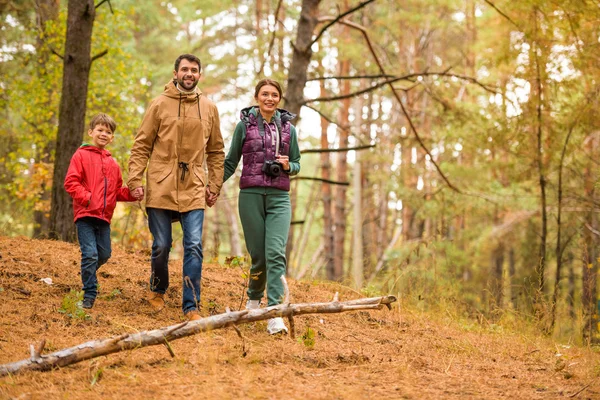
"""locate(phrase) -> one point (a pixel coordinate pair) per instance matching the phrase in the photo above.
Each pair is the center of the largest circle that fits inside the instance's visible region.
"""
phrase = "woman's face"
(268, 99)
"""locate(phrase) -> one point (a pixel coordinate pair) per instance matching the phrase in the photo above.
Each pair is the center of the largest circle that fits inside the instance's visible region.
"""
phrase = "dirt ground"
(397, 354)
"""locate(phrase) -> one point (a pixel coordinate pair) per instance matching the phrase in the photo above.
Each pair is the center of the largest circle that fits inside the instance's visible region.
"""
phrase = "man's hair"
(103, 119)
(265, 82)
(190, 58)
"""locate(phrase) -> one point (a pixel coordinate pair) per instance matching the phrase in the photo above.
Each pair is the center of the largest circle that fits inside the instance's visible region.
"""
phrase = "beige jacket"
(178, 133)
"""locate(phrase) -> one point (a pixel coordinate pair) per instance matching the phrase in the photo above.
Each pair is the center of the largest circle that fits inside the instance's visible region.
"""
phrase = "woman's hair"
(265, 82)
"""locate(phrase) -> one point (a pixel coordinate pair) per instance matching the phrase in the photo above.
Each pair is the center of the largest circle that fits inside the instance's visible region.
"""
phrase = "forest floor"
(397, 354)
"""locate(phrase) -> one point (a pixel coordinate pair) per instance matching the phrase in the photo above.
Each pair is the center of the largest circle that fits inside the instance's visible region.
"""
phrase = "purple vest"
(258, 148)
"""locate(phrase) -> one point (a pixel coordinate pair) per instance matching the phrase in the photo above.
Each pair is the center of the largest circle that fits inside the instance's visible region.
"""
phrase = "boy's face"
(101, 135)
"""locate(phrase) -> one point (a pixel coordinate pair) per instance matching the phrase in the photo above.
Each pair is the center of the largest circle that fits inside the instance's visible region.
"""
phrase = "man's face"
(188, 74)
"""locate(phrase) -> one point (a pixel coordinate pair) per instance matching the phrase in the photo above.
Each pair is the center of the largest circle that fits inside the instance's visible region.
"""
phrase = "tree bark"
(590, 252)
(162, 336)
(71, 119)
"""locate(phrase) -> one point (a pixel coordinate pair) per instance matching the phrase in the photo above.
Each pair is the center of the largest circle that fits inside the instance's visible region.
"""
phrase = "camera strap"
(261, 130)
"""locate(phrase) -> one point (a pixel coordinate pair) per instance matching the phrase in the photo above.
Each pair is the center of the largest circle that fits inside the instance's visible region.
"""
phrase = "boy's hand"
(211, 198)
(138, 193)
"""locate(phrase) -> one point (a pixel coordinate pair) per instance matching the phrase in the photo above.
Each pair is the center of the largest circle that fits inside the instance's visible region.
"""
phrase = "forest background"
(450, 147)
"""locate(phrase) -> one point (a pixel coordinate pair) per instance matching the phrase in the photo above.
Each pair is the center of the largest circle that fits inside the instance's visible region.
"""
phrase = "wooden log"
(102, 347)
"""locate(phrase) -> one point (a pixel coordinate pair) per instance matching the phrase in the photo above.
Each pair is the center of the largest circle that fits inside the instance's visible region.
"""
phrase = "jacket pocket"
(159, 171)
(199, 174)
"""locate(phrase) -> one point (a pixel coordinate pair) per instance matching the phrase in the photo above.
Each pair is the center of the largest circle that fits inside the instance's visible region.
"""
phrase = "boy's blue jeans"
(160, 222)
(94, 242)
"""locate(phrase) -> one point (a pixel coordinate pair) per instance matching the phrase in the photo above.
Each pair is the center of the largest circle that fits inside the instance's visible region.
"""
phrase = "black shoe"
(88, 303)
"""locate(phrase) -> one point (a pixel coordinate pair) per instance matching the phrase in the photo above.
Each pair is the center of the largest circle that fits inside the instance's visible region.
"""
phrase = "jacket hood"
(280, 113)
(174, 93)
(92, 148)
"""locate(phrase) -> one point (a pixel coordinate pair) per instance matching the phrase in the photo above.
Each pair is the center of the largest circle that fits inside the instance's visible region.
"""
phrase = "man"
(180, 130)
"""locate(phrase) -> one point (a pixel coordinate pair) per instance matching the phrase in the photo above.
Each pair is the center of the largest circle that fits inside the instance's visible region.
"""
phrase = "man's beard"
(182, 85)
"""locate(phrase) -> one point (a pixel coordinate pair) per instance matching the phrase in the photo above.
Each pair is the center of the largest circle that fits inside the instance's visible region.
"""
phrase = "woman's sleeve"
(235, 151)
(294, 152)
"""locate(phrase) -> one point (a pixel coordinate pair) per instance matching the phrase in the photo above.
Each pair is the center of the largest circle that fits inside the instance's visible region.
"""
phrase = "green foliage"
(71, 306)
(113, 294)
(308, 338)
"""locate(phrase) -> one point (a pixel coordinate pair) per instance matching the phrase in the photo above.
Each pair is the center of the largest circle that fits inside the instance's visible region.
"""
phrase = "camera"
(272, 168)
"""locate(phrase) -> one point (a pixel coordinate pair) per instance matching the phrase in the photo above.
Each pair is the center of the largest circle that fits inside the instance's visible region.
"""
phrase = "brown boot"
(193, 315)
(157, 301)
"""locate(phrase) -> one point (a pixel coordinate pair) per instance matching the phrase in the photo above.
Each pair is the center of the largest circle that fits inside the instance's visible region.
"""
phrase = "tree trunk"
(46, 10)
(590, 252)
(496, 276)
(297, 74)
(326, 197)
(301, 56)
(357, 245)
(339, 211)
(71, 119)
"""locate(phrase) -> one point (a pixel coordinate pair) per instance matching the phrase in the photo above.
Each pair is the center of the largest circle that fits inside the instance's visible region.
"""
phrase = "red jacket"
(94, 182)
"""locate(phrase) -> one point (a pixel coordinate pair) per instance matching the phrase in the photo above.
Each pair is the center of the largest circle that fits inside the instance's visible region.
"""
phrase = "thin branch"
(308, 178)
(341, 78)
(408, 77)
(109, 5)
(326, 117)
(339, 18)
(97, 56)
(504, 15)
(56, 53)
(367, 146)
(395, 93)
(272, 41)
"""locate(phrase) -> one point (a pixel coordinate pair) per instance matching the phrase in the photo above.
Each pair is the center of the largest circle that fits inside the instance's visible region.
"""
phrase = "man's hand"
(211, 198)
(138, 193)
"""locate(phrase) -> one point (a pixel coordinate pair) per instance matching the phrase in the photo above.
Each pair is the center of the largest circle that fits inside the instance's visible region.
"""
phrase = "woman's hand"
(284, 161)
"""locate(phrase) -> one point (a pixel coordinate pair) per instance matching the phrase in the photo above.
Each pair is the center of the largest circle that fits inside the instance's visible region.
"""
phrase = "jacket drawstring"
(198, 102)
(184, 169)
(179, 106)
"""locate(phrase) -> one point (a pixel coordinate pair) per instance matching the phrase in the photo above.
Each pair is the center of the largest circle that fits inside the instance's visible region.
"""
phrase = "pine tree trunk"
(46, 10)
(339, 212)
(590, 252)
(71, 119)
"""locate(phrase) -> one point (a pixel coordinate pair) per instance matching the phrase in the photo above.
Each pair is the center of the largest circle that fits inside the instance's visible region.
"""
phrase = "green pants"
(266, 222)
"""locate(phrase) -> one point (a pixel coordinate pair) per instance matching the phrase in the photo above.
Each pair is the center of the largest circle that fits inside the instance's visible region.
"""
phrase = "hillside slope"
(376, 354)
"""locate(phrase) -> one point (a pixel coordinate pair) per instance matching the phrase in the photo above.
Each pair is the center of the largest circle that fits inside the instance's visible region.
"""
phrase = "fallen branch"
(165, 335)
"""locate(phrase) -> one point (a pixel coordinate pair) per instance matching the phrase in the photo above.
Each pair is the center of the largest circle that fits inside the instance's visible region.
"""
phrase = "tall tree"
(77, 61)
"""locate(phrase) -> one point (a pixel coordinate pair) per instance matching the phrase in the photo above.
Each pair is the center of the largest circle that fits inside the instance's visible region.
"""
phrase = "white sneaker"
(276, 325)
(252, 304)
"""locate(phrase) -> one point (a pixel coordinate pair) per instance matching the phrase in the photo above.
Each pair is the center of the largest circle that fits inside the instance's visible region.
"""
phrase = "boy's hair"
(103, 119)
(190, 58)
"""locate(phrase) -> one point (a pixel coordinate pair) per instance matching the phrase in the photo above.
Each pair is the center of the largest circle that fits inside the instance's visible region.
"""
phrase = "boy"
(94, 182)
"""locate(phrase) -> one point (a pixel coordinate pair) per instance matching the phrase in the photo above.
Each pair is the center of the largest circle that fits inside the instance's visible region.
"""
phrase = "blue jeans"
(160, 222)
(94, 242)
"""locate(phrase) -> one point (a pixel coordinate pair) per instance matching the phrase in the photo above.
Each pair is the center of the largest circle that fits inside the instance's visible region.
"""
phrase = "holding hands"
(211, 198)
(138, 193)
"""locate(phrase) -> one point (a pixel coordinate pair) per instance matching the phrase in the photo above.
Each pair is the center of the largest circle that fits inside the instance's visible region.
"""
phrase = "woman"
(267, 141)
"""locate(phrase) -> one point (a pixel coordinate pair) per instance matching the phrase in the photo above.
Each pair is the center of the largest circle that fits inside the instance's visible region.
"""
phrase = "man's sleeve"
(215, 154)
(142, 146)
